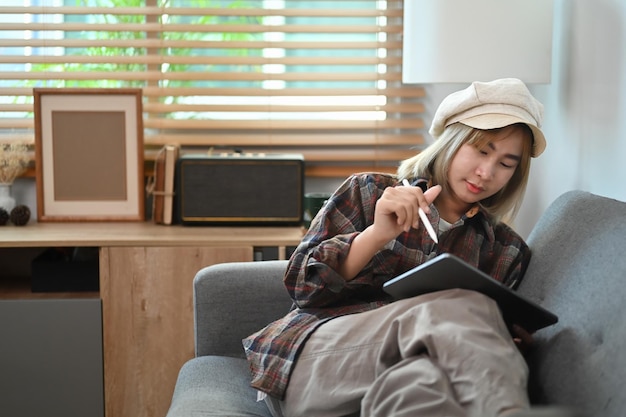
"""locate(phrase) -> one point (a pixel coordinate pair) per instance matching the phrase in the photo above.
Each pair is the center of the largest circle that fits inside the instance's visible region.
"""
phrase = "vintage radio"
(252, 189)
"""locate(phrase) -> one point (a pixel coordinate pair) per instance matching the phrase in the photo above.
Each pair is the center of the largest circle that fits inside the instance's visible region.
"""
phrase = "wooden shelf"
(16, 279)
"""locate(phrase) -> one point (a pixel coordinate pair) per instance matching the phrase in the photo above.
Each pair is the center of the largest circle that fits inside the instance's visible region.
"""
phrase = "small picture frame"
(89, 154)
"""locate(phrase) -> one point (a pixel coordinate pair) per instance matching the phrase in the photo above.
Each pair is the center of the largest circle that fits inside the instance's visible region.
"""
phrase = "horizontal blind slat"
(200, 44)
(199, 12)
(412, 108)
(152, 92)
(284, 124)
(199, 76)
(243, 124)
(248, 139)
(199, 60)
(141, 28)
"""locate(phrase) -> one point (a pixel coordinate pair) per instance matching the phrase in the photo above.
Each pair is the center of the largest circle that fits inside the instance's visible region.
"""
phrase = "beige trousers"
(447, 353)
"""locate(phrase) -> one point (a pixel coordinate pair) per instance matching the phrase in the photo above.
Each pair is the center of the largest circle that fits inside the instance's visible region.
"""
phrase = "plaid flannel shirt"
(320, 293)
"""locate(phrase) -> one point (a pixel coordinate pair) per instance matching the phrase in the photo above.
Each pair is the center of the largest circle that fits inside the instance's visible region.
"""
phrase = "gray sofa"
(578, 270)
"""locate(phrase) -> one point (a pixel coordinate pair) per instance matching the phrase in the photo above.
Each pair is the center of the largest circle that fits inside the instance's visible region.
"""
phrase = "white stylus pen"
(424, 217)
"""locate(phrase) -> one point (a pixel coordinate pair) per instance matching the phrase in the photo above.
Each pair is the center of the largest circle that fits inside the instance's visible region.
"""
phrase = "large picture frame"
(89, 154)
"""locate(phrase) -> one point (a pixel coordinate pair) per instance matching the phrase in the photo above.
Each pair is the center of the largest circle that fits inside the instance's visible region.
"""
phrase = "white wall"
(585, 107)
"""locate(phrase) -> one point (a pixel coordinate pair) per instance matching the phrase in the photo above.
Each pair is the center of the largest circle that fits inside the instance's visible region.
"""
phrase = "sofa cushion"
(215, 386)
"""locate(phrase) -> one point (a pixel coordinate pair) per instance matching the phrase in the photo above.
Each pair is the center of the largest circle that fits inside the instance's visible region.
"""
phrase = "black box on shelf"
(240, 189)
(66, 270)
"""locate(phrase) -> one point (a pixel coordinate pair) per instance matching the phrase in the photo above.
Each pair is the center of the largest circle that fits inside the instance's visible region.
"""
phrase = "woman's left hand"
(522, 338)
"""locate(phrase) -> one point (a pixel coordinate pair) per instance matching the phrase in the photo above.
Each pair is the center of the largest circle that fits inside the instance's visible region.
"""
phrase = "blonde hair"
(434, 162)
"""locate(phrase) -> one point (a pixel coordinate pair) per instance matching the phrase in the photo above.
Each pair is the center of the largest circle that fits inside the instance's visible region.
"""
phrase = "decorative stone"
(20, 215)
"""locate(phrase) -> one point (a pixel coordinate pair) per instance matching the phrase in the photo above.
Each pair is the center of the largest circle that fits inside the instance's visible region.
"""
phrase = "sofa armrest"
(233, 300)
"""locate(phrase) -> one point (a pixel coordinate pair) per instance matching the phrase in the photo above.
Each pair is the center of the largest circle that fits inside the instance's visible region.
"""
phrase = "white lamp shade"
(460, 41)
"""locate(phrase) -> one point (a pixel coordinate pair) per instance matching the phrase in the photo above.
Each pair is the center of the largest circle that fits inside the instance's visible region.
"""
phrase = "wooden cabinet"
(146, 276)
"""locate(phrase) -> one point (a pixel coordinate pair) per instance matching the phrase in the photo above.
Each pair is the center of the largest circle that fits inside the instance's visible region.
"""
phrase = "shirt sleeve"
(512, 256)
(312, 279)
(517, 268)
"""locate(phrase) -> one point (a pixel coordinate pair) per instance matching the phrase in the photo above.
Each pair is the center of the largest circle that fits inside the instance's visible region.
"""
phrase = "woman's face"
(476, 174)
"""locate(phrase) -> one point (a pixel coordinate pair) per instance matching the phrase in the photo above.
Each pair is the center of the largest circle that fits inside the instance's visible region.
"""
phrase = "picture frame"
(89, 154)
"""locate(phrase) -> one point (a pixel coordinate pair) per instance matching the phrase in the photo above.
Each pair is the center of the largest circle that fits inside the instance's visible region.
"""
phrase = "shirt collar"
(476, 216)
(479, 215)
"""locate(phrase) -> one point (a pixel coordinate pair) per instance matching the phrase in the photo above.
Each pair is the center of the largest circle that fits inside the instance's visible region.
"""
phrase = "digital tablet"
(447, 271)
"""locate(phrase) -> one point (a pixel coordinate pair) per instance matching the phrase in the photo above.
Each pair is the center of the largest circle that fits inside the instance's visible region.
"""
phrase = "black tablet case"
(447, 271)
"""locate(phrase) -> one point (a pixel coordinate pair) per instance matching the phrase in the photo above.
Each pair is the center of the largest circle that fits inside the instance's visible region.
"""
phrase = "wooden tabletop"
(52, 234)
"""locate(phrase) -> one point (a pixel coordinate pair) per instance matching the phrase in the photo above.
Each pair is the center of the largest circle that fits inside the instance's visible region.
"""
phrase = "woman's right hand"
(397, 209)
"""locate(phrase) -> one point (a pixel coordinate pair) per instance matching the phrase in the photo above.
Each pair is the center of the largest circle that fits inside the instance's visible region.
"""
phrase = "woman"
(346, 348)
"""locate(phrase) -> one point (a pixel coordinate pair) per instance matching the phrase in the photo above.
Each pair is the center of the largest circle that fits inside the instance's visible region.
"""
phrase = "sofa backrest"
(578, 270)
(234, 300)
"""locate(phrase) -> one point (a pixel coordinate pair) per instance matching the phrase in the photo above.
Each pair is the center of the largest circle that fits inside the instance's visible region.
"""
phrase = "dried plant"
(14, 160)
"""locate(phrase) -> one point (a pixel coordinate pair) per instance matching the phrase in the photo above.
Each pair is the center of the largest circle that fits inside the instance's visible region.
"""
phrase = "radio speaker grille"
(240, 190)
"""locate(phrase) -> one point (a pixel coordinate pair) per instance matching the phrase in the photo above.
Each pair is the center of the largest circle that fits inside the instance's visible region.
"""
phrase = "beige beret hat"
(491, 105)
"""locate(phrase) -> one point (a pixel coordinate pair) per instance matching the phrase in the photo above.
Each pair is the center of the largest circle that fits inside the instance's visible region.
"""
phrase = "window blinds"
(321, 78)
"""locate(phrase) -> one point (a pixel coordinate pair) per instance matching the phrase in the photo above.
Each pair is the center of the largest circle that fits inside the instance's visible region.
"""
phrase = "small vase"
(7, 201)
